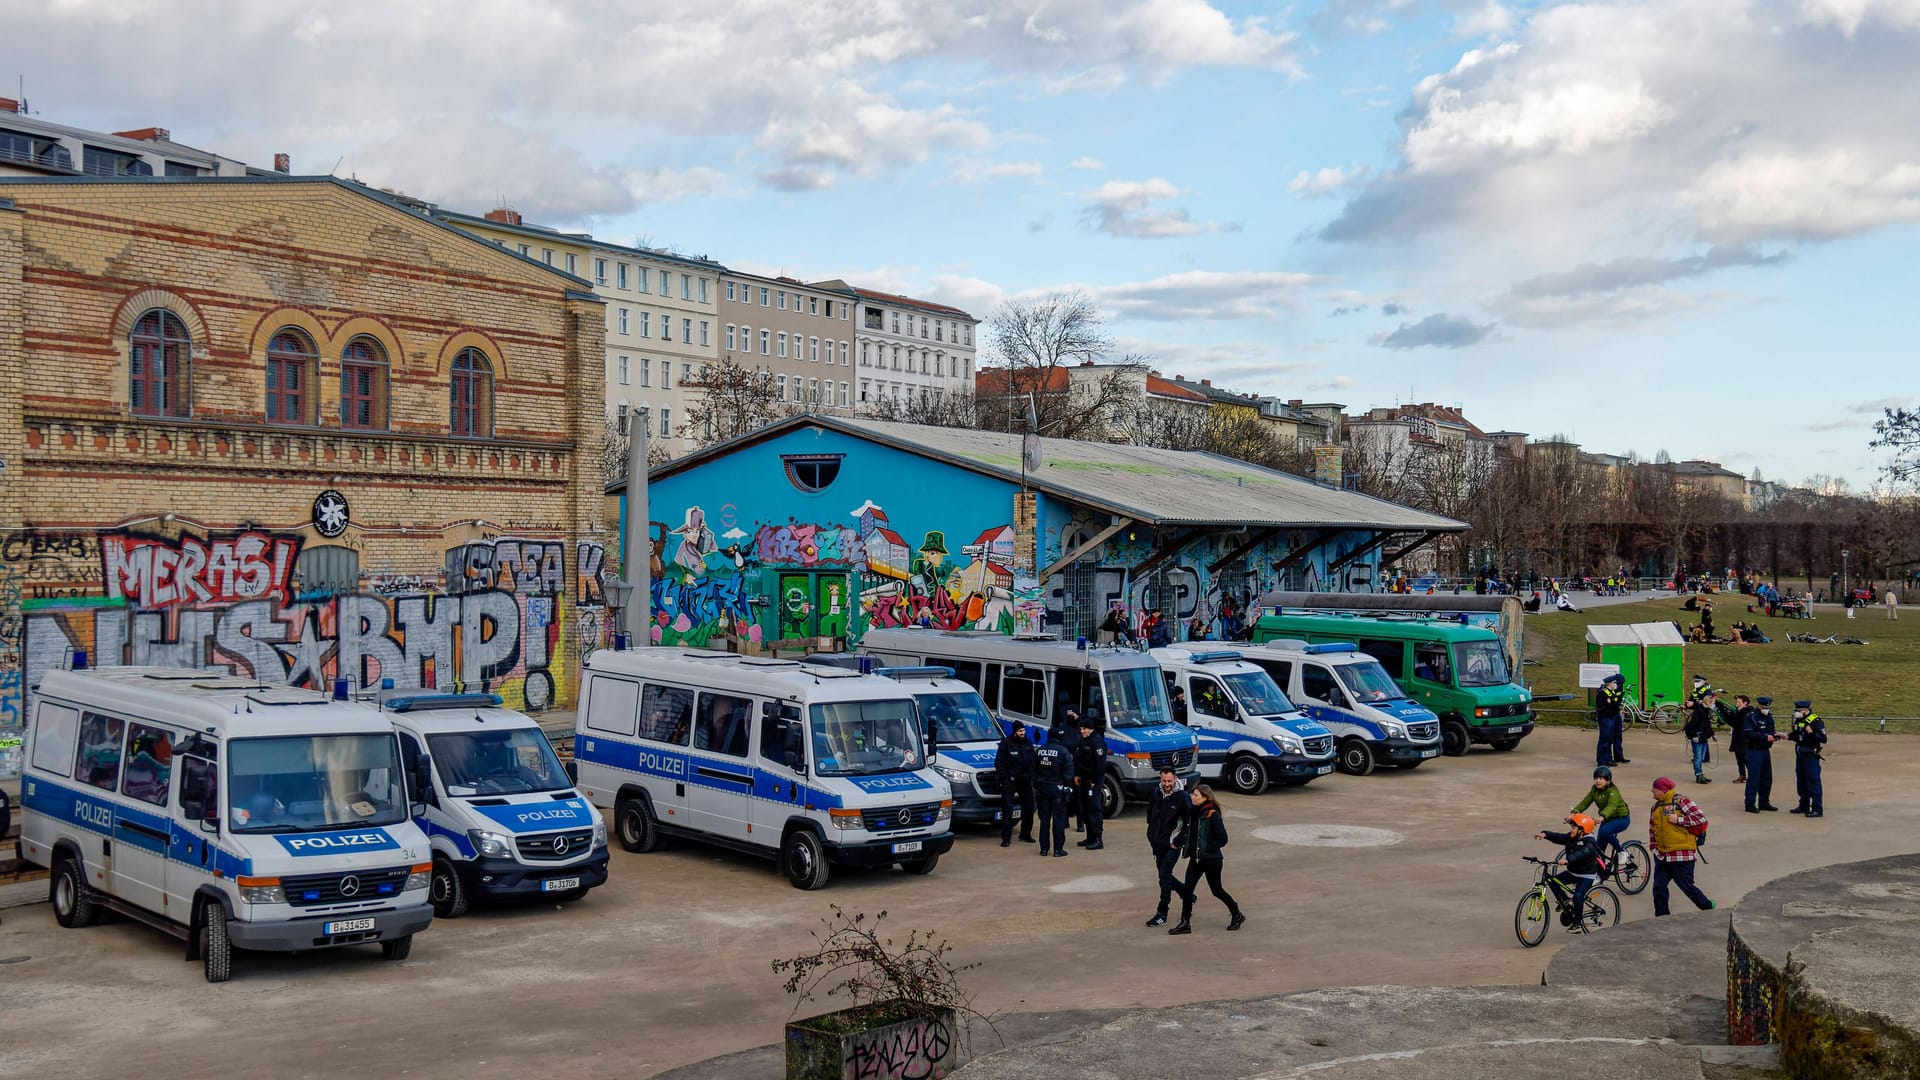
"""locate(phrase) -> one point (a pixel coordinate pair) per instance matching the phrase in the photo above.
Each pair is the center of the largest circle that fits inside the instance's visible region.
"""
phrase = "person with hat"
(1606, 800)
(1089, 776)
(1755, 724)
(1809, 736)
(1013, 765)
(1052, 787)
(1676, 846)
(1699, 731)
(1606, 710)
(1582, 870)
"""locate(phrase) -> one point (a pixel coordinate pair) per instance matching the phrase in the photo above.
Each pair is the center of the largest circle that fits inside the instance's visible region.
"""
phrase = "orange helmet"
(1583, 824)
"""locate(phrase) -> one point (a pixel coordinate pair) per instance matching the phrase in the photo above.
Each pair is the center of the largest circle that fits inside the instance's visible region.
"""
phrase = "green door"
(796, 606)
(832, 605)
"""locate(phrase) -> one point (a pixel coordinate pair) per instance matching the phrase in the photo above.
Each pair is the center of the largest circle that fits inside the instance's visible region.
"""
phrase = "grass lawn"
(1878, 679)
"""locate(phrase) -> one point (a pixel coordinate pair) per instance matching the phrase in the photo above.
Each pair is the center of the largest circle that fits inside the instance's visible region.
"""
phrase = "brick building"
(287, 427)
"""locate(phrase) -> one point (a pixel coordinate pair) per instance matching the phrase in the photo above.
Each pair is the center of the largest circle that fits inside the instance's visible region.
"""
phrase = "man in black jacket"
(1089, 771)
(1699, 731)
(1757, 725)
(1052, 787)
(1167, 811)
(1013, 766)
(1065, 733)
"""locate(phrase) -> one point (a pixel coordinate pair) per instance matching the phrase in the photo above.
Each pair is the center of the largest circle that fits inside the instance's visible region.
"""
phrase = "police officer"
(1809, 736)
(1606, 710)
(1013, 764)
(1089, 770)
(1052, 786)
(1756, 723)
(1701, 688)
(1180, 705)
(1065, 733)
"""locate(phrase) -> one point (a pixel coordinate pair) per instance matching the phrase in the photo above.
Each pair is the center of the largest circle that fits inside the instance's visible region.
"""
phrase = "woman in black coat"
(1202, 840)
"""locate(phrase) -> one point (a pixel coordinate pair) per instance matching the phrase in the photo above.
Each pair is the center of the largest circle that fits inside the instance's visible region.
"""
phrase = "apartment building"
(34, 147)
(801, 336)
(908, 347)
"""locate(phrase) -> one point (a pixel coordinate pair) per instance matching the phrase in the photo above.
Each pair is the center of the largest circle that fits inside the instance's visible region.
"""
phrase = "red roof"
(993, 380)
(1169, 388)
(891, 298)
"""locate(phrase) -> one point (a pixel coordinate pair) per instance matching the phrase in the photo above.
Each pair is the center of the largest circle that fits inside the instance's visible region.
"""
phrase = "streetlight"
(618, 591)
(1846, 578)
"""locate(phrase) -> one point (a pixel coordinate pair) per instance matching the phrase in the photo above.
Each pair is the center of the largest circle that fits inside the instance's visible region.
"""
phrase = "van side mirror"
(422, 778)
(794, 748)
(210, 824)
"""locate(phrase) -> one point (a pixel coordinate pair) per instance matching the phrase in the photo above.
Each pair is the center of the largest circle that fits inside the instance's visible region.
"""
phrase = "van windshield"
(309, 783)
(1136, 697)
(1258, 693)
(1480, 663)
(1368, 681)
(503, 761)
(957, 717)
(861, 738)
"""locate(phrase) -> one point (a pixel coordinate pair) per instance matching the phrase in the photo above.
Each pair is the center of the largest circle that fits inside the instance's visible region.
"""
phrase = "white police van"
(1373, 720)
(504, 820)
(1037, 680)
(807, 764)
(956, 722)
(232, 814)
(1250, 734)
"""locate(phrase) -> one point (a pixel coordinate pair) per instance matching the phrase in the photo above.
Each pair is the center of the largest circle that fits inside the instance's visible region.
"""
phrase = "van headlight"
(261, 890)
(1394, 731)
(599, 833)
(419, 877)
(491, 844)
(1292, 746)
(946, 810)
(954, 776)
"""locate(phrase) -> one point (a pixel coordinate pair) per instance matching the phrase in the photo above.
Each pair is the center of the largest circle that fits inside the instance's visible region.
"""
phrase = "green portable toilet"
(1617, 645)
(1664, 662)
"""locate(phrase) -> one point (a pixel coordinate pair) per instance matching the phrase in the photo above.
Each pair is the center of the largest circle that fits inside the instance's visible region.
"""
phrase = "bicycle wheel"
(1602, 911)
(1530, 917)
(1666, 720)
(1633, 868)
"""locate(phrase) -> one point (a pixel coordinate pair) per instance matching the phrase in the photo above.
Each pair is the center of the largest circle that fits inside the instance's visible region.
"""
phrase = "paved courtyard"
(1404, 878)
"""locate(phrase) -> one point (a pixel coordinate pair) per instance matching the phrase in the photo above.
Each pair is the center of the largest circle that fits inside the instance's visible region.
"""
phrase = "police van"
(955, 722)
(1037, 680)
(1250, 734)
(504, 820)
(1373, 720)
(810, 765)
(230, 813)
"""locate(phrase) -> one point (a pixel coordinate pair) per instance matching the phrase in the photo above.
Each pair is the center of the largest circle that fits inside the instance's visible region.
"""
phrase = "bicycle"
(1662, 717)
(1631, 870)
(1530, 916)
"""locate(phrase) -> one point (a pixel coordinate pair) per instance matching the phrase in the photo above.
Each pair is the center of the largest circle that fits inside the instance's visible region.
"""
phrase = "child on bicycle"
(1582, 869)
(1606, 801)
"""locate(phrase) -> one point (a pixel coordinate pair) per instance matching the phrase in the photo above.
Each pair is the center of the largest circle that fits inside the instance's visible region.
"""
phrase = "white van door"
(778, 787)
(143, 823)
(196, 789)
(720, 784)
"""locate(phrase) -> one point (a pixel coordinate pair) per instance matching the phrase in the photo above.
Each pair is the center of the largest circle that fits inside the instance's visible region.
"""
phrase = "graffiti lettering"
(797, 545)
(914, 1050)
(152, 572)
(588, 560)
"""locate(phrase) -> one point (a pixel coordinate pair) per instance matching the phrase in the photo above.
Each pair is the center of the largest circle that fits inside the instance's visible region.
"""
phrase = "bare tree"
(955, 409)
(733, 400)
(1039, 343)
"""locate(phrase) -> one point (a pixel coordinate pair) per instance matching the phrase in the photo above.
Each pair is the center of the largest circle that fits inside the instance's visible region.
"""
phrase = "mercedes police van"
(1036, 681)
(502, 817)
(229, 813)
(1373, 720)
(955, 722)
(1250, 734)
(810, 765)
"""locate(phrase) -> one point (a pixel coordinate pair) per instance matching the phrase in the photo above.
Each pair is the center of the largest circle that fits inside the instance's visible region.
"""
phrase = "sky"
(1679, 225)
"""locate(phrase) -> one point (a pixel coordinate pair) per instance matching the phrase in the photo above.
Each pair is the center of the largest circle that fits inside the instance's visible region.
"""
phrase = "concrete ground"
(1402, 878)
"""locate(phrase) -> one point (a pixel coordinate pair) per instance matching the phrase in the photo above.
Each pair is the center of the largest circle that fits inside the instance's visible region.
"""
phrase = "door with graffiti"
(833, 605)
(796, 606)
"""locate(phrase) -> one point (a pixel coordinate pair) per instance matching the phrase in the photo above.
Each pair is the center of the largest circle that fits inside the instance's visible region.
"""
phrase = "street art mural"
(503, 614)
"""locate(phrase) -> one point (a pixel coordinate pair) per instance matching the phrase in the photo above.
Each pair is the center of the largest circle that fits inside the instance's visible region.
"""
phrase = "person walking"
(1168, 808)
(1676, 847)
(1606, 710)
(1756, 723)
(1699, 731)
(1052, 787)
(1737, 735)
(1893, 602)
(1204, 842)
(1809, 737)
(1606, 801)
(1013, 764)
(1089, 774)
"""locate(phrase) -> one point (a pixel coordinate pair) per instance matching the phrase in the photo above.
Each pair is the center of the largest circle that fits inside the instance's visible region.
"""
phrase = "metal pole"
(637, 544)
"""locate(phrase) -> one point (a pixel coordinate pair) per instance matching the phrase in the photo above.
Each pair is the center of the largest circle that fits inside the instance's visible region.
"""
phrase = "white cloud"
(1849, 15)
(1312, 184)
(1817, 196)
(977, 172)
(1249, 366)
(1130, 208)
(1084, 162)
(1490, 17)
(1200, 294)
(1439, 331)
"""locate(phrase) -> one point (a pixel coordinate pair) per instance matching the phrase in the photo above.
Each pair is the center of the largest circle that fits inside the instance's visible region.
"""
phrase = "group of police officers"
(1754, 735)
(1065, 770)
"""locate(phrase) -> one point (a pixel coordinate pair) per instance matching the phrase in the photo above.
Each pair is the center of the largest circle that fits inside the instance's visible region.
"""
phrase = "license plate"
(1515, 730)
(902, 849)
(346, 926)
(1323, 770)
(559, 884)
(1429, 753)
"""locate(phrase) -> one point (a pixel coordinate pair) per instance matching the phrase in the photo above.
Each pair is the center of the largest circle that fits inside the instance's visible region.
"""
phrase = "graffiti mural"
(497, 617)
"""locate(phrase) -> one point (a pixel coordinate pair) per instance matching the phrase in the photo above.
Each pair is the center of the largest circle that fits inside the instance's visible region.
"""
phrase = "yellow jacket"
(1667, 836)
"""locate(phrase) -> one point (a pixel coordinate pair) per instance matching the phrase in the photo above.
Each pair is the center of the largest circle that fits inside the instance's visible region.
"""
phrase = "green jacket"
(1610, 802)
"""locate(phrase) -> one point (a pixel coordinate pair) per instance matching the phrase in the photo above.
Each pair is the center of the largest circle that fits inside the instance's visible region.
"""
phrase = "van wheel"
(73, 904)
(805, 860)
(398, 948)
(1455, 740)
(1247, 776)
(1113, 797)
(920, 866)
(634, 822)
(1356, 757)
(216, 948)
(449, 899)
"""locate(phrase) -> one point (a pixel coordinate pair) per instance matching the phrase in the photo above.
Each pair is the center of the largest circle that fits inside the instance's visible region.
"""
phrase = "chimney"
(147, 134)
(504, 216)
(1294, 402)
(7, 104)
(282, 163)
(1206, 382)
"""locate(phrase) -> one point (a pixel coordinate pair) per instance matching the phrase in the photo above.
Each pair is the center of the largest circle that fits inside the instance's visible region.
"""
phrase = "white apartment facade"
(906, 348)
(32, 147)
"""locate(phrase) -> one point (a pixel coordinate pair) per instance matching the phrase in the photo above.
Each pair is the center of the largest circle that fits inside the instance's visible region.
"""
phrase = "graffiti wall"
(503, 614)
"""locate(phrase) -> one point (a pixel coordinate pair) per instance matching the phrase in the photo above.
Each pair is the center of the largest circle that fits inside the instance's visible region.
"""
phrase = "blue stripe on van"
(700, 770)
(1330, 716)
(1214, 744)
(110, 818)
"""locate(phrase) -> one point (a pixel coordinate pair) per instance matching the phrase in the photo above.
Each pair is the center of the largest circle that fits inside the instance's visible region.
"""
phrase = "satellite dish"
(1030, 452)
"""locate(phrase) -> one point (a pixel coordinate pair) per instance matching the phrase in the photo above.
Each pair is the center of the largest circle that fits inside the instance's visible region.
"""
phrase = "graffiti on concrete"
(912, 1050)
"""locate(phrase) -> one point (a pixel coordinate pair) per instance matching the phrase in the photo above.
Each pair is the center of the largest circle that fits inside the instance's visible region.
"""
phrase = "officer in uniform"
(1701, 688)
(1809, 736)
(1052, 787)
(1089, 769)
(1013, 764)
(1606, 710)
(1756, 725)
(1065, 733)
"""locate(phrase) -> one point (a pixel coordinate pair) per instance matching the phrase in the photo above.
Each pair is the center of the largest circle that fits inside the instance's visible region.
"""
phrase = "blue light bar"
(1331, 647)
(926, 672)
(1216, 657)
(444, 701)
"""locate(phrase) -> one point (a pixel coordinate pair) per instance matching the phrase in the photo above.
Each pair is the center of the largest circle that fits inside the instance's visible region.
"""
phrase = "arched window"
(291, 360)
(471, 414)
(160, 369)
(363, 385)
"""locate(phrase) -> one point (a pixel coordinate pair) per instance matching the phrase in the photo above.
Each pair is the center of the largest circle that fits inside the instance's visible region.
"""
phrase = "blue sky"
(1681, 226)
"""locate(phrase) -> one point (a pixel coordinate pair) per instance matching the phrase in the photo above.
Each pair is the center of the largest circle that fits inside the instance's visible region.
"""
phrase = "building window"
(363, 385)
(160, 372)
(813, 305)
(546, 256)
(646, 371)
(686, 331)
(646, 324)
(472, 394)
(729, 290)
(828, 304)
(525, 251)
(936, 332)
(864, 384)
(573, 264)
(703, 330)
(969, 330)
(938, 361)
(97, 162)
(666, 283)
(730, 337)
(764, 293)
(866, 354)
(870, 318)
(923, 361)
(766, 337)
(620, 418)
(703, 299)
(896, 358)
(623, 322)
(783, 343)
(620, 275)
(290, 362)
(666, 422)
(846, 355)
(896, 322)
(813, 349)
(923, 326)
(843, 395)
(813, 392)
(666, 374)
(780, 300)
(599, 271)
(686, 286)
(781, 381)
(624, 368)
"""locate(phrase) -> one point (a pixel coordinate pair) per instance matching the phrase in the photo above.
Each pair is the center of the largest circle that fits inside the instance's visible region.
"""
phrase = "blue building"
(820, 527)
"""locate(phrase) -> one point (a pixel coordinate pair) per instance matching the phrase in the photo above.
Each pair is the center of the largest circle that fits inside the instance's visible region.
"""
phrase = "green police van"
(1460, 673)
